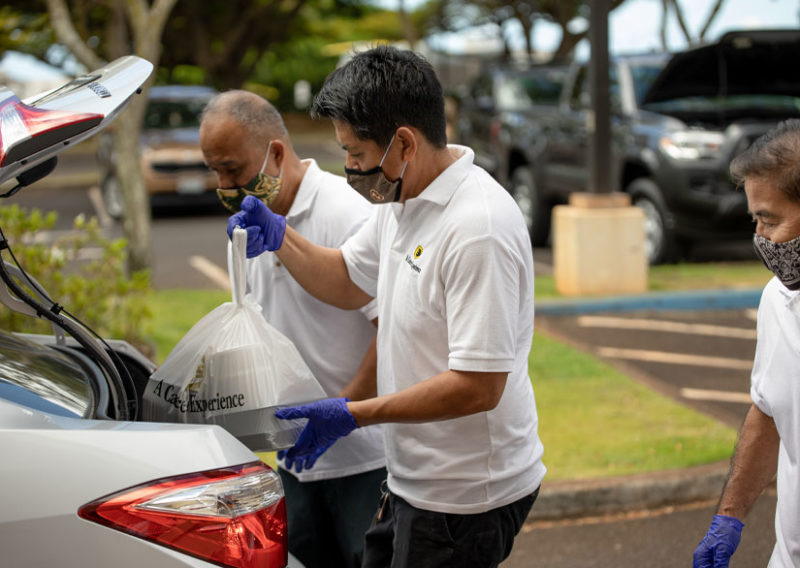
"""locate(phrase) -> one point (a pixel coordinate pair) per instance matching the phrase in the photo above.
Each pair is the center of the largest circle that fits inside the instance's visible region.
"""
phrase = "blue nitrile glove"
(719, 544)
(265, 229)
(328, 420)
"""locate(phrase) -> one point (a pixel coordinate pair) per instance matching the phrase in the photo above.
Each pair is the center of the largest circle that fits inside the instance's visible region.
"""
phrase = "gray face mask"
(782, 259)
(373, 183)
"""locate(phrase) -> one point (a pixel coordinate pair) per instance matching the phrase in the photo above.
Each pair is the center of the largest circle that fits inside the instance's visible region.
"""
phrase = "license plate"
(191, 185)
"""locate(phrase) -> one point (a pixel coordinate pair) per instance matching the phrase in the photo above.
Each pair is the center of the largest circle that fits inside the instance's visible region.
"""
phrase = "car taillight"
(233, 516)
(25, 130)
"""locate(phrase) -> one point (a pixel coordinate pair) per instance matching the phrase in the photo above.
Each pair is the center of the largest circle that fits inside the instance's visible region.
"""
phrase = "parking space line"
(668, 326)
(716, 395)
(211, 271)
(675, 358)
(96, 199)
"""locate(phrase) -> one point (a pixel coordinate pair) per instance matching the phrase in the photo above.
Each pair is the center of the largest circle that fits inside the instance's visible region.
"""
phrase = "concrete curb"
(595, 497)
(694, 300)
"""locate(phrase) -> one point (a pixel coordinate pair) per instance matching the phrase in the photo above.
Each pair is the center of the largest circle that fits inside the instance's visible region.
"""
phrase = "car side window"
(544, 88)
(581, 97)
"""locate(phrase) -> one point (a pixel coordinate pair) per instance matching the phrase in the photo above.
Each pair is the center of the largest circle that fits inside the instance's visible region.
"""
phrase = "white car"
(82, 482)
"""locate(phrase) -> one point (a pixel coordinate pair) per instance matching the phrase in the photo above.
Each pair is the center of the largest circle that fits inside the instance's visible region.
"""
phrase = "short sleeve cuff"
(760, 401)
(481, 365)
(370, 311)
(360, 279)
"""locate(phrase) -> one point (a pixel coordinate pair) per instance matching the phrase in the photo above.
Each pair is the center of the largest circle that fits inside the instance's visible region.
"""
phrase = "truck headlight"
(692, 144)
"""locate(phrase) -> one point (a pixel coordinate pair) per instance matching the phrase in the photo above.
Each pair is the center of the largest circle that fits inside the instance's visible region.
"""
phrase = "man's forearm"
(448, 395)
(753, 466)
(321, 271)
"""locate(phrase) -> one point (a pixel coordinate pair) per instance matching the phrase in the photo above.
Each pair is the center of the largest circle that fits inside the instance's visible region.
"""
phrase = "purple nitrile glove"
(328, 420)
(265, 229)
(719, 544)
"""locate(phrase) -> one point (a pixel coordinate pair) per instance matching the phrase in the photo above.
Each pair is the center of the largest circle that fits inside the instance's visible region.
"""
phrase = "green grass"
(684, 277)
(594, 421)
(176, 311)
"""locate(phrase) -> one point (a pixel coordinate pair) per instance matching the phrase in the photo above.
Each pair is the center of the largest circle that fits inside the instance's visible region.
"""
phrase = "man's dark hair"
(774, 155)
(382, 89)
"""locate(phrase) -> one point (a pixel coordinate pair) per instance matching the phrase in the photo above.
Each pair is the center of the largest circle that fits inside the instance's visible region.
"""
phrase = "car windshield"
(521, 92)
(643, 77)
(167, 115)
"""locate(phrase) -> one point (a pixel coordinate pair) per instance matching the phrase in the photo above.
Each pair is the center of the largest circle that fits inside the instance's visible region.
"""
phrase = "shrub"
(81, 270)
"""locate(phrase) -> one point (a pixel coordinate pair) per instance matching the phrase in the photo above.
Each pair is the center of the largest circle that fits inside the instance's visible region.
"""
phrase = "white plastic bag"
(233, 369)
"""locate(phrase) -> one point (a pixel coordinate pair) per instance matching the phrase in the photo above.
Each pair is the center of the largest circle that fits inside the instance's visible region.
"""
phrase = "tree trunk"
(682, 22)
(147, 24)
(136, 221)
(408, 29)
(565, 49)
(663, 27)
(711, 17)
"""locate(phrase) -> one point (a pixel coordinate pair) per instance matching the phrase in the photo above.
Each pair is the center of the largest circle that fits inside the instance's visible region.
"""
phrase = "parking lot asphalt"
(695, 347)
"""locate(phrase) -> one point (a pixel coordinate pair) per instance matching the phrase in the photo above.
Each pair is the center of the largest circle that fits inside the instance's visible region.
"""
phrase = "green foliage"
(95, 289)
(314, 50)
(24, 31)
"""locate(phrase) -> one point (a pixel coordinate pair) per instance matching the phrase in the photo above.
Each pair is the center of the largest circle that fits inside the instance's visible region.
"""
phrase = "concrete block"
(599, 249)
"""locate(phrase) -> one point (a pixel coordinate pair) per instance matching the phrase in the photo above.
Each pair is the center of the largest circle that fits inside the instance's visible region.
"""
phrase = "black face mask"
(373, 183)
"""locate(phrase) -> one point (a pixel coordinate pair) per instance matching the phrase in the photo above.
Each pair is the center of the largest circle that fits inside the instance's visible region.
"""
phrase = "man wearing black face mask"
(449, 259)
(769, 440)
(244, 140)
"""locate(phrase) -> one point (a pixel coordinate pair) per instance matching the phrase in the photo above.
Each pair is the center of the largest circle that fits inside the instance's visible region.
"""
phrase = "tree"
(459, 14)
(134, 26)
(674, 6)
(226, 38)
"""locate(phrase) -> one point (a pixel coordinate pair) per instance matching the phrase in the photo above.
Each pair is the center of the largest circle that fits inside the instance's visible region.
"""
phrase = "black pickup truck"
(677, 121)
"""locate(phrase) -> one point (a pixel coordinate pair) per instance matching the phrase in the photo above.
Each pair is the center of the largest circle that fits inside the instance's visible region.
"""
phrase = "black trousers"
(328, 518)
(403, 536)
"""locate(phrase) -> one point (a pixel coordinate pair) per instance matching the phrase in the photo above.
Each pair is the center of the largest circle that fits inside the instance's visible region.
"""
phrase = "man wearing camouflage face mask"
(769, 440)
(330, 505)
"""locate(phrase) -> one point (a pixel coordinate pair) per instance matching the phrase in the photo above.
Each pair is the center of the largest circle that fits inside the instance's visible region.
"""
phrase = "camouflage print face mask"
(263, 186)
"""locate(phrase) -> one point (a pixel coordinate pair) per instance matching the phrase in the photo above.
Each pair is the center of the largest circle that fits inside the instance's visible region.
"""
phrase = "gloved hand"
(265, 229)
(719, 544)
(328, 420)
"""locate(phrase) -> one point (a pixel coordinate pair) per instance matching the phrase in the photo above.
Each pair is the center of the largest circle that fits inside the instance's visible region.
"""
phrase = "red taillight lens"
(232, 517)
(25, 130)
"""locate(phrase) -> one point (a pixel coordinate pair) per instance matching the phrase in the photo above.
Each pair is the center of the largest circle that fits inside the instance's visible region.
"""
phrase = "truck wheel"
(660, 244)
(112, 197)
(534, 209)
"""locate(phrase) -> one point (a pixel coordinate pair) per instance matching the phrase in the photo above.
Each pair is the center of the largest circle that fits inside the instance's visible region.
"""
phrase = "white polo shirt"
(775, 389)
(332, 341)
(453, 273)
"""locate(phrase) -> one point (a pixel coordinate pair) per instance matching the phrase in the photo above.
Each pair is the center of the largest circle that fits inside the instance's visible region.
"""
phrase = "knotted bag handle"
(237, 265)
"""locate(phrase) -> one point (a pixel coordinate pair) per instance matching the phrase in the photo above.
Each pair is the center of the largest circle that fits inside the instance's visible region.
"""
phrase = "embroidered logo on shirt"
(415, 267)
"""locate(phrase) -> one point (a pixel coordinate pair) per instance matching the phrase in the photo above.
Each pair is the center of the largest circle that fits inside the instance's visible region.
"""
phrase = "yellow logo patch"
(418, 251)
